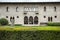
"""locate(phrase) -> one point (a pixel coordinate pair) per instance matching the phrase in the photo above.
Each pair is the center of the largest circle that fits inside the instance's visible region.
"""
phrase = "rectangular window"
(7, 9)
(44, 8)
(54, 8)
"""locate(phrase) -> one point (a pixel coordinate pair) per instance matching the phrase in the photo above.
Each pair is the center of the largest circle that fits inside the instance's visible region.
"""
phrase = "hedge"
(29, 35)
(15, 24)
(53, 24)
(18, 24)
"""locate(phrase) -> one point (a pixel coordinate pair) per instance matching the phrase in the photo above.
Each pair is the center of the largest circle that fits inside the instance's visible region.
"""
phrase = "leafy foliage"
(53, 24)
(18, 24)
(3, 21)
(29, 35)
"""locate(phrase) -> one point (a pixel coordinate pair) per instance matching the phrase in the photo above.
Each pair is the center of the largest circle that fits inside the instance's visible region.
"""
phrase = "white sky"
(29, 0)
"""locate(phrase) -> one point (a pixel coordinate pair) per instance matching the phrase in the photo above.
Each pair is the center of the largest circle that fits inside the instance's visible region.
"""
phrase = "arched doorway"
(25, 20)
(35, 20)
(30, 20)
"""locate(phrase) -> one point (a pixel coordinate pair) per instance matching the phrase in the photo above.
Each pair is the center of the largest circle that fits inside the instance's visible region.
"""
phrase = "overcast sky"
(29, 0)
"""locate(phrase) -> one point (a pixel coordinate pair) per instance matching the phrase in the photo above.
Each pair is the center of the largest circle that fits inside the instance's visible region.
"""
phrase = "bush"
(18, 24)
(15, 24)
(3, 21)
(53, 24)
(29, 35)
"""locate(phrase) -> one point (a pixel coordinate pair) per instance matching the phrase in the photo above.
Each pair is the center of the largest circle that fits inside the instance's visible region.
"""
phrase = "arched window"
(54, 8)
(35, 20)
(45, 9)
(30, 20)
(10, 18)
(50, 19)
(25, 20)
(16, 9)
(13, 18)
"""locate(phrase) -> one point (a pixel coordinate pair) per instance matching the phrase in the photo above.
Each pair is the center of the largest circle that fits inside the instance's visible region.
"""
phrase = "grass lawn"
(30, 28)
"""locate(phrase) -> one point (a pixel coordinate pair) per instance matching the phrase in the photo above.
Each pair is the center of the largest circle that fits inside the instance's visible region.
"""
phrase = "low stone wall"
(29, 35)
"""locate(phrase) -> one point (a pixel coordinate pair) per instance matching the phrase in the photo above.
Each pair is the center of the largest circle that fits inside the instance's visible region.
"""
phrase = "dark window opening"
(10, 18)
(30, 20)
(54, 8)
(35, 20)
(25, 20)
(25, 13)
(17, 16)
(50, 19)
(44, 16)
(7, 9)
(55, 16)
(13, 18)
(6, 16)
(16, 9)
(37, 13)
(44, 8)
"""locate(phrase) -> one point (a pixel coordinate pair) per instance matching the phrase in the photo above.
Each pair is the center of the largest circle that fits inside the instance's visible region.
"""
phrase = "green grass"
(29, 28)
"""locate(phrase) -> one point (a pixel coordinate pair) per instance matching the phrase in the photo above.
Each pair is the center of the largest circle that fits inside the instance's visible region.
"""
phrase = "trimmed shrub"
(53, 24)
(3, 21)
(29, 35)
(15, 24)
(18, 24)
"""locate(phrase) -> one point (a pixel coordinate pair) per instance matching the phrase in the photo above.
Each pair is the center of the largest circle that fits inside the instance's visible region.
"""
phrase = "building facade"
(31, 14)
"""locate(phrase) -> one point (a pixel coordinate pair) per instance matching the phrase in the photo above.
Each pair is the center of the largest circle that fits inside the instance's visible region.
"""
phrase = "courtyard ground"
(30, 28)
